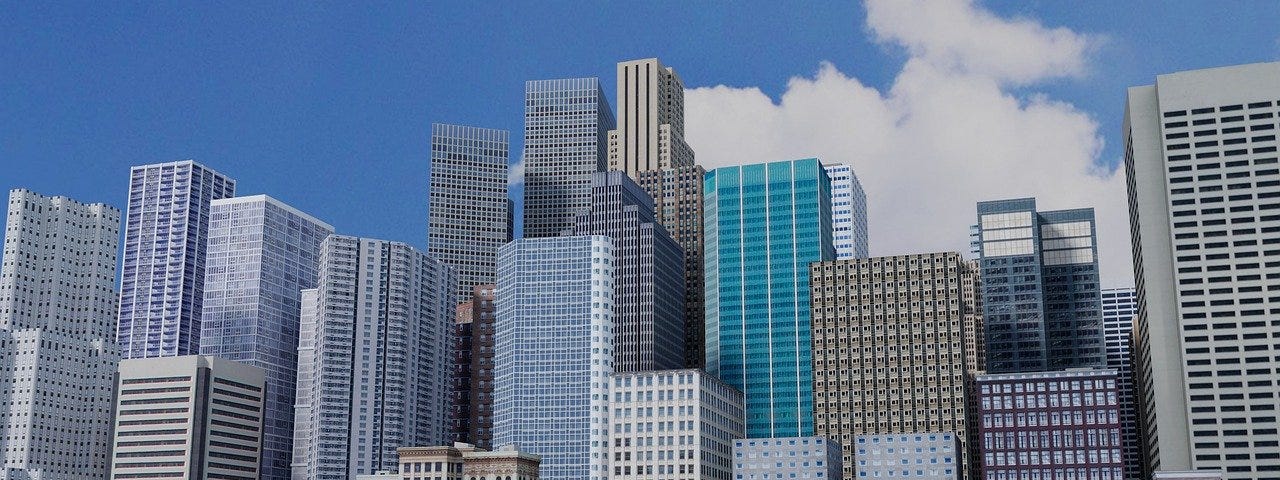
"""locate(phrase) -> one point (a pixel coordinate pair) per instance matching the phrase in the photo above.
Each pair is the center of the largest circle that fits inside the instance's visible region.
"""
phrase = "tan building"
(889, 346)
(463, 461)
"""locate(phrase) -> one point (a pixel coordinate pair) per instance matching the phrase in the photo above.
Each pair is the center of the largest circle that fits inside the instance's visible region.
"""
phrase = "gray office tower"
(566, 128)
(162, 273)
(1040, 295)
(1204, 216)
(649, 294)
(261, 254)
(1119, 305)
(468, 215)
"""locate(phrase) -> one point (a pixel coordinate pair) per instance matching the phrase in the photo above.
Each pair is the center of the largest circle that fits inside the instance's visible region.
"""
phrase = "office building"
(566, 131)
(303, 426)
(1119, 305)
(674, 424)
(929, 455)
(553, 352)
(190, 417)
(787, 457)
(57, 343)
(162, 272)
(648, 322)
(1188, 475)
(677, 194)
(1204, 190)
(379, 366)
(848, 212)
(889, 347)
(1049, 425)
(1040, 291)
(765, 223)
(466, 461)
(261, 253)
(975, 352)
(472, 414)
(468, 216)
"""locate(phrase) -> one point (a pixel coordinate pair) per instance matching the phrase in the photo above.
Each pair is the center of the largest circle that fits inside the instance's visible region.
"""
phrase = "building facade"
(1049, 425)
(303, 426)
(379, 366)
(162, 272)
(1203, 184)
(889, 347)
(190, 417)
(464, 461)
(703, 413)
(787, 457)
(677, 195)
(566, 139)
(764, 225)
(57, 345)
(929, 455)
(472, 414)
(648, 321)
(848, 212)
(650, 133)
(468, 216)
(1119, 305)
(1041, 296)
(553, 352)
(261, 253)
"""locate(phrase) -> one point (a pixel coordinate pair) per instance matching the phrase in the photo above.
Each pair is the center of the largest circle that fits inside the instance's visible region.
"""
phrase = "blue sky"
(328, 106)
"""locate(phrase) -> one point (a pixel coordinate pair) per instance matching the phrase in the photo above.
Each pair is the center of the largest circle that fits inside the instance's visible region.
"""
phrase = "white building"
(674, 424)
(57, 349)
(303, 428)
(931, 456)
(848, 212)
(792, 457)
(1204, 210)
(190, 417)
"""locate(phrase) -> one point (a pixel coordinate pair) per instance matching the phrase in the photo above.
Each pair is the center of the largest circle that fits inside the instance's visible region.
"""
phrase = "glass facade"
(764, 225)
(468, 218)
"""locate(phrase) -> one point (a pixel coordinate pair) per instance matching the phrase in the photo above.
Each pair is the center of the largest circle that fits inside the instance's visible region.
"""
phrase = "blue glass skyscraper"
(261, 254)
(764, 225)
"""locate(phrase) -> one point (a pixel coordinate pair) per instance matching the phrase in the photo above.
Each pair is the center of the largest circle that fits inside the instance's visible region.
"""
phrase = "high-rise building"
(650, 133)
(848, 213)
(975, 351)
(303, 428)
(677, 195)
(468, 208)
(466, 461)
(1040, 290)
(648, 320)
(786, 457)
(379, 366)
(889, 347)
(1204, 189)
(924, 455)
(57, 348)
(703, 413)
(1063, 424)
(162, 273)
(472, 410)
(1119, 305)
(261, 253)
(190, 417)
(553, 352)
(765, 223)
(566, 127)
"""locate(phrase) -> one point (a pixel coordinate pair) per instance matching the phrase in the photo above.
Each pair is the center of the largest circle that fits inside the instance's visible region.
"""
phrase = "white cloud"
(515, 173)
(946, 134)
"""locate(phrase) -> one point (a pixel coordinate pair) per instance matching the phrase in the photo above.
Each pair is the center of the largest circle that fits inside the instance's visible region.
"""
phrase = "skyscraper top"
(650, 134)
(273, 201)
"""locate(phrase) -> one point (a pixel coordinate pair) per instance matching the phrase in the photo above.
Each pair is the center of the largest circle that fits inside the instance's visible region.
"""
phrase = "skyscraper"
(1119, 305)
(703, 413)
(261, 254)
(1040, 291)
(379, 376)
(1204, 190)
(677, 194)
(765, 223)
(566, 126)
(848, 214)
(554, 352)
(889, 347)
(472, 415)
(162, 273)
(57, 310)
(468, 201)
(648, 321)
(303, 426)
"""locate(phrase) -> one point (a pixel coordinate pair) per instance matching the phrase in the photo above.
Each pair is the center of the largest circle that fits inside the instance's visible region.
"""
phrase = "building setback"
(468, 216)
(648, 322)
(677, 195)
(703, 413)
(57, 348)
(765, 223)
(162, 272)
(472, 415)
(553, 352)
(848, 213)
(786, 457)
(190, 417)
(261, 253)
(566, 125)
(379, 366)
(1119, 305)
(1040, 290)
(1204, 215)
(926, 455)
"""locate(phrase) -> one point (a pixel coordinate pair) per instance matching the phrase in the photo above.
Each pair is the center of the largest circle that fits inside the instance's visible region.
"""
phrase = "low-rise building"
(793, 457)
(933, 456)
(465, 461)
(673, 424)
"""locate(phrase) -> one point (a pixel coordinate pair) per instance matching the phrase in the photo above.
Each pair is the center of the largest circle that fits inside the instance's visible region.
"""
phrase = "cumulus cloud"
(515, 173)
(948, 132)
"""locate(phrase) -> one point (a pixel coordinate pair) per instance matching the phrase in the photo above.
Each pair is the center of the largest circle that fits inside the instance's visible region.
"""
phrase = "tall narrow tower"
(468, 208)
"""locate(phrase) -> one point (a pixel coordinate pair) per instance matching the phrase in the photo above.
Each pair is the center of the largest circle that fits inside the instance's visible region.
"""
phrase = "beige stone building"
(463, 461)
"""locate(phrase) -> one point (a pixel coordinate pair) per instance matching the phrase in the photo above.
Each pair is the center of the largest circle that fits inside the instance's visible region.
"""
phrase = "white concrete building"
(848, 212)
(792, 457)
(931, 456)
(673, 424)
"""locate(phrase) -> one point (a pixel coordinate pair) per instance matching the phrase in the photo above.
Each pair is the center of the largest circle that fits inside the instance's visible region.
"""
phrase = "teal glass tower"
(764, 224)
